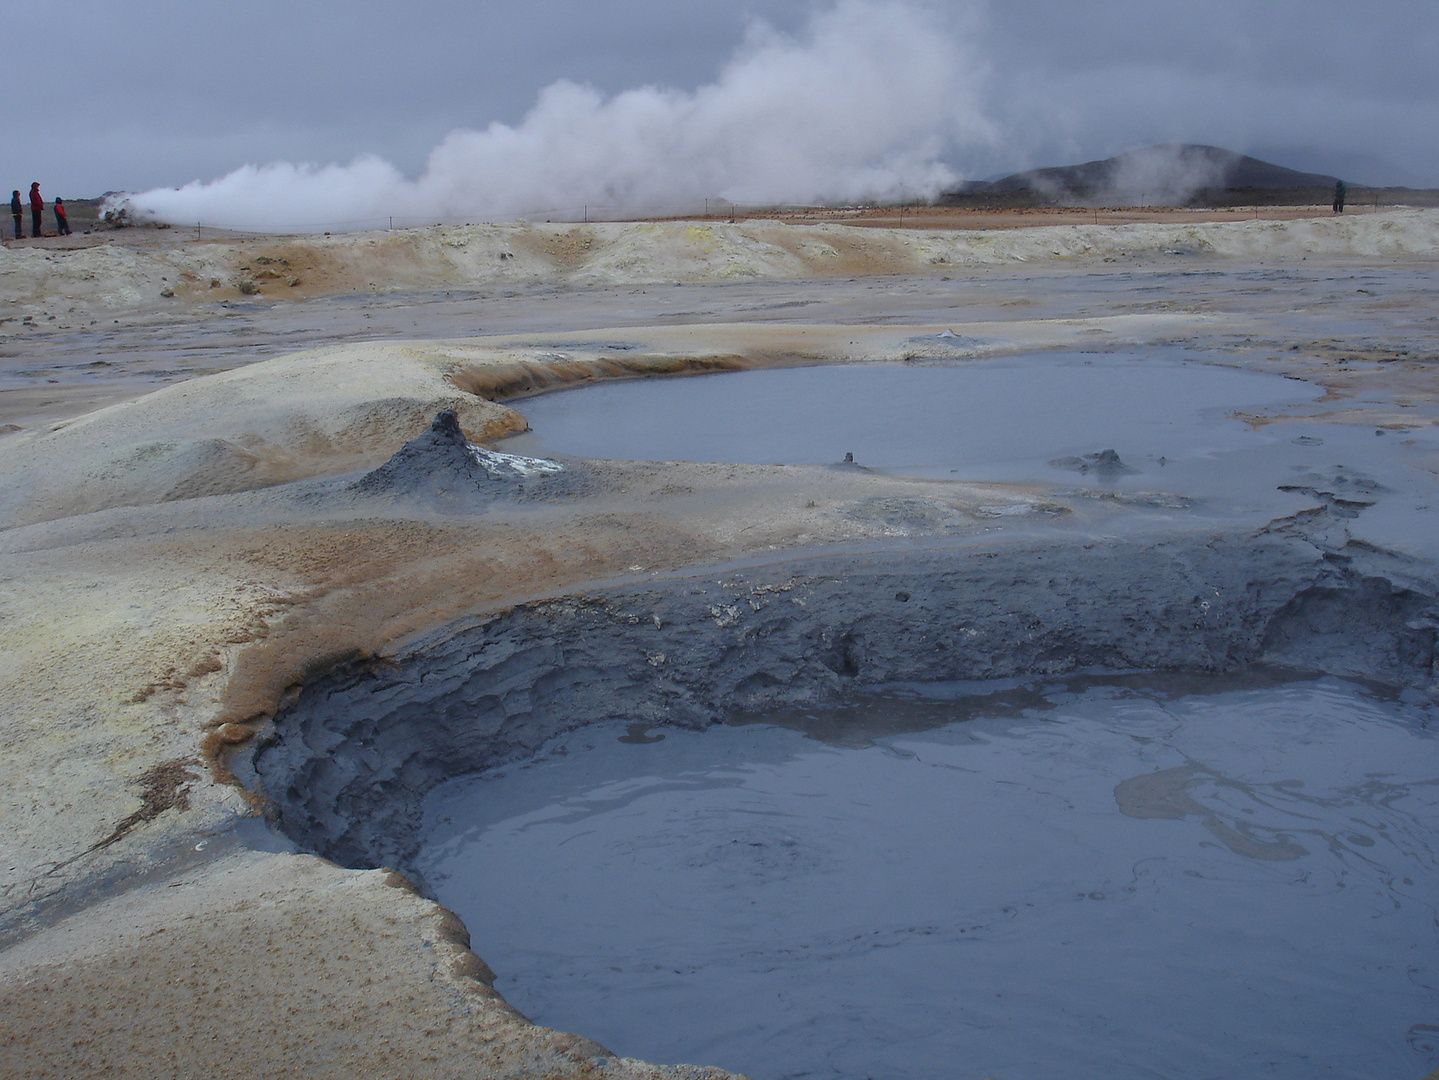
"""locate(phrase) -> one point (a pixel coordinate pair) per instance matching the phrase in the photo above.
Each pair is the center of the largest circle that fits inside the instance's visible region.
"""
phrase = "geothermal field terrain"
(1120, 534)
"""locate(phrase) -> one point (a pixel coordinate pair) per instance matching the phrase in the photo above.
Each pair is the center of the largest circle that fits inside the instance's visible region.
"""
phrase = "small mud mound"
(442, 466)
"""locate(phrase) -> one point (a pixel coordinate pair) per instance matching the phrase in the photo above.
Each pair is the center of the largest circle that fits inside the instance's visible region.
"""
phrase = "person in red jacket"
(62, 223)
(37, 207)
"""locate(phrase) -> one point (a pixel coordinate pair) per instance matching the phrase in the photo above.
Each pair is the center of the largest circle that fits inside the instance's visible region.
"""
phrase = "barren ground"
(183, 547)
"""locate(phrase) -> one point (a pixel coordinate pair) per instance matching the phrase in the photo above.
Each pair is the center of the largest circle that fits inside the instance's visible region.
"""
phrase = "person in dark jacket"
(16, 209)
(1341, 191)
(62, 223)
(37, 207)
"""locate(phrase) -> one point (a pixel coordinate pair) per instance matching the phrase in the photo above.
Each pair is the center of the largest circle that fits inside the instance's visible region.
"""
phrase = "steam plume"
(864, 103)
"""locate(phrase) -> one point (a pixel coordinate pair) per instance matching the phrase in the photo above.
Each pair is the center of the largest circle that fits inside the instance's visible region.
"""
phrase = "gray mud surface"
(1066, 877)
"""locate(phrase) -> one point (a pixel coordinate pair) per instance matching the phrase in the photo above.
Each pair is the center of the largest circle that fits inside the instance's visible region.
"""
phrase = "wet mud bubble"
(1105, 464)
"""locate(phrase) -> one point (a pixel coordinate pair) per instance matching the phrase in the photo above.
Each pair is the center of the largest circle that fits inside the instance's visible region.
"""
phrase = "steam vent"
(765, 648)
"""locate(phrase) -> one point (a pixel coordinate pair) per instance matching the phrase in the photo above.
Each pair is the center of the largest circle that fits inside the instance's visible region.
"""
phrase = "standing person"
(1340, 191)
(37, 207)
(62, 223)
(16, 210)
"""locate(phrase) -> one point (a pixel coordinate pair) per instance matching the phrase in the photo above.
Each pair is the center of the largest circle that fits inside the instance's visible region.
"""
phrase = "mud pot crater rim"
(345, 766)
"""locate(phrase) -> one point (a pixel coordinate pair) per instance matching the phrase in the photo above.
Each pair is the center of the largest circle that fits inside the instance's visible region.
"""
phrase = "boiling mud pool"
(1117, 880)
(1002, 420)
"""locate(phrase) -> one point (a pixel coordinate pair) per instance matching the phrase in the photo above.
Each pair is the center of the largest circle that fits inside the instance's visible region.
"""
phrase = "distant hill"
(1177, 174)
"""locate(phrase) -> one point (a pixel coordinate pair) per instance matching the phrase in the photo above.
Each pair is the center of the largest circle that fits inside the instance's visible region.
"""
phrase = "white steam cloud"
(1167, 175)
(867, 102)
(1164, 176)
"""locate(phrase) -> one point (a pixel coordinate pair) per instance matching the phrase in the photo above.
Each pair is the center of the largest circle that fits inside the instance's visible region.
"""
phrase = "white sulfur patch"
(513, 466)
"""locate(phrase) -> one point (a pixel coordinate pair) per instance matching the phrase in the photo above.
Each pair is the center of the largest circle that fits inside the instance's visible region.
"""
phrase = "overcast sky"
(132, 94)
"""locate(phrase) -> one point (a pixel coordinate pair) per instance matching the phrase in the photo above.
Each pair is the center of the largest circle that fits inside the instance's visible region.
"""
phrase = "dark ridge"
(1235, 170)
(1179, 174)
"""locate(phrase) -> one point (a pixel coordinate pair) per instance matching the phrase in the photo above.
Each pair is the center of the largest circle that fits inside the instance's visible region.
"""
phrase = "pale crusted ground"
(83, 287)
(274, 965)
(158, 592)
